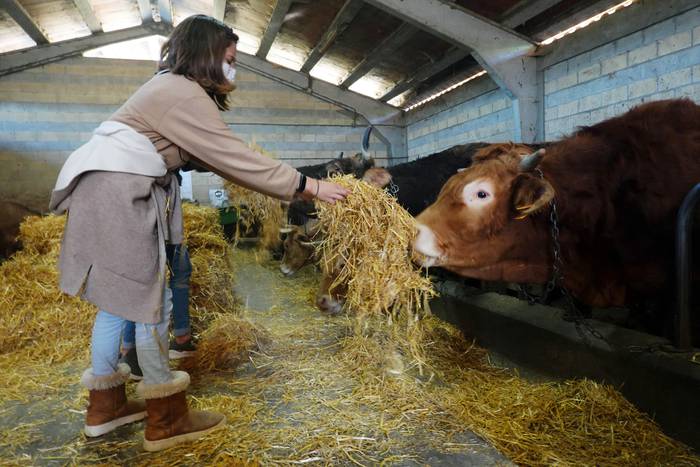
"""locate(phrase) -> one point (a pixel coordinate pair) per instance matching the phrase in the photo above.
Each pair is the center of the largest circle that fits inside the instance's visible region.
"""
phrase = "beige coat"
(112, 250)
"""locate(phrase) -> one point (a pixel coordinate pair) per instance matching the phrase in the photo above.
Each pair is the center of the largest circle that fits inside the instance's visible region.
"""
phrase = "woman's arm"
(196, 126)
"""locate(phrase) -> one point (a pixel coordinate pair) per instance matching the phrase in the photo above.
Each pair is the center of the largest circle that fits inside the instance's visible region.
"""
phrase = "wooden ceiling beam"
(276, 20)
(504, 53)
(386, 48)
(219, 9)
(341, 21)
(451, 57)
(88, 15)
(146, 11)
(525, 10)
(25, 21)
(165, 9)
(517, 15)
(13, 62)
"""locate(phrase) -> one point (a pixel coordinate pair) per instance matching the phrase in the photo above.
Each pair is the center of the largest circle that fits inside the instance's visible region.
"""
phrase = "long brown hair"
(195, 49)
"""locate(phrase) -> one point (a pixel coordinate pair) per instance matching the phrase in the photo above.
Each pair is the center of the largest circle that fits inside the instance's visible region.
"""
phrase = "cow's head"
(331, 299)
(299, 248)
(483, 224)
(356, 165)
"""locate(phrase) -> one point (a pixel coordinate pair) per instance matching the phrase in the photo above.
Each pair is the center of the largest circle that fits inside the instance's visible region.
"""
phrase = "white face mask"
(229, 72)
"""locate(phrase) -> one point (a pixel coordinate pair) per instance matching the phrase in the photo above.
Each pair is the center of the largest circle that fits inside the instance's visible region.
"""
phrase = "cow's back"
(419, 182)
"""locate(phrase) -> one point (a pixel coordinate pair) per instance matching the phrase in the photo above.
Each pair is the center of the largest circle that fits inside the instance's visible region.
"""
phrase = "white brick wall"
(660, 62)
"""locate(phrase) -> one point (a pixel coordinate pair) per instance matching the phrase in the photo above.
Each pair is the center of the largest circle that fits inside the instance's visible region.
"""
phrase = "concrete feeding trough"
(537, 338)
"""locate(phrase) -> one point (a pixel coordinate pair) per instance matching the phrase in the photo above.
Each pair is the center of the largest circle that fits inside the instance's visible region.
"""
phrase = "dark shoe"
(108, 407)
(133, 362)
(169, 421)
(178, 351)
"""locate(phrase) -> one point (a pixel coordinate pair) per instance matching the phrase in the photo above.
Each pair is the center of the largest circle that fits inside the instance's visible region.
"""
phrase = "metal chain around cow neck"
(572, 312)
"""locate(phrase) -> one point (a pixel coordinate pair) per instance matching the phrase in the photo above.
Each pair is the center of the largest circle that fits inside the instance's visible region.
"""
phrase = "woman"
(124, 206)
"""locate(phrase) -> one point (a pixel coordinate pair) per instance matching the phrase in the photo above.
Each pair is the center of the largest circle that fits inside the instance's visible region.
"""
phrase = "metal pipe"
(684, 253)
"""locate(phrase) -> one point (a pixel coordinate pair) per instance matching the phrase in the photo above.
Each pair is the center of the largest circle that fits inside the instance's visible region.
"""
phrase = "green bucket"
(228, 215)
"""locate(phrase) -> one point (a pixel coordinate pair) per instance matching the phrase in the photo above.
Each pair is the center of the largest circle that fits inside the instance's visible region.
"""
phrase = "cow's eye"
(482, 194)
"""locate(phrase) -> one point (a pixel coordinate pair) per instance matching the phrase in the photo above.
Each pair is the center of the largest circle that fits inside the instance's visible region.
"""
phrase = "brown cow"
(299, 249)
(11, 216)
(617, 186)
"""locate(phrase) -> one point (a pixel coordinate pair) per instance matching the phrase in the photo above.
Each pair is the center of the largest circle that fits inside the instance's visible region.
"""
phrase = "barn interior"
(425, 75)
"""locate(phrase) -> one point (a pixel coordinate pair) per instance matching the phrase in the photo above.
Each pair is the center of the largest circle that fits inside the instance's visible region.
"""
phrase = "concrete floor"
(52, 425)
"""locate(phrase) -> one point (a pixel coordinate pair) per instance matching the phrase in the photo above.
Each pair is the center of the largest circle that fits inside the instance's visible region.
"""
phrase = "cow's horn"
(286, 230)
(311, 244)
(529, 163)
(365, 141)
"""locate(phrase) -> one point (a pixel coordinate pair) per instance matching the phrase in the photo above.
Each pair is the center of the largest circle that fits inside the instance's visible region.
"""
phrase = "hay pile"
(212, 271)
(41, 327)
(37, 321)
(255, 208)
(225, 344)
(365, 244)
(575, 422)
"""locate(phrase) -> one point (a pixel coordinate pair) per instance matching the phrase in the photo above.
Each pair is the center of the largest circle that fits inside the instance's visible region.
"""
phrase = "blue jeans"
(180, 272)
(151, 344)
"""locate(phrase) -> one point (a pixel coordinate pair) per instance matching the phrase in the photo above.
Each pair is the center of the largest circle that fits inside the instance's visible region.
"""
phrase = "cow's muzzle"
(426, 249)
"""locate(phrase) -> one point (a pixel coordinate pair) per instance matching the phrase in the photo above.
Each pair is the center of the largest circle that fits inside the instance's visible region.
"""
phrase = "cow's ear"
(530, 194)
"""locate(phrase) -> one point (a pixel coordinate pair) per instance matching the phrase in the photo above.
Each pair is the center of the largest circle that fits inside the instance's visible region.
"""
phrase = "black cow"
(416, 184)
(301, 211)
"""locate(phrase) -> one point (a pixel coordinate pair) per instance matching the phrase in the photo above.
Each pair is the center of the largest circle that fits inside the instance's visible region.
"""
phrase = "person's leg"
(169, 420)
(128, 337)
(106, 336)
(108, 407)
(152, 346)
(181, 271)
(129, 351)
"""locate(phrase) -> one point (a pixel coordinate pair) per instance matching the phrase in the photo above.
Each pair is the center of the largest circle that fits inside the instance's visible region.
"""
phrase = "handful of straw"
(366, 247)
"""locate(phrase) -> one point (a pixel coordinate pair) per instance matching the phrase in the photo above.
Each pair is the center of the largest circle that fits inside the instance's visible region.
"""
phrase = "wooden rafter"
(519, 14)
(276, 20)
(341, 21)
(88, 15)
(451, 57)
(146, 10)
(385, 49)
(25, 21)
(526, 10)
(219, 10)
(13, 62)
(165, 8)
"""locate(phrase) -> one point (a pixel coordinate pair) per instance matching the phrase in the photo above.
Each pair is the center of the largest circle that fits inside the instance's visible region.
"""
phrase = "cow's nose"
(426, 243)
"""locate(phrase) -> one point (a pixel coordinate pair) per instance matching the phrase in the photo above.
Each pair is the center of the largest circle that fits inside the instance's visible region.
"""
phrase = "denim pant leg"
(181, 271)
(129, 336)
(152, 346)
(106, 336)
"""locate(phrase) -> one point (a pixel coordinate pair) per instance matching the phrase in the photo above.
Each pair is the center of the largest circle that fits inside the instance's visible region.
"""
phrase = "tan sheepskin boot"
(169, 420)
(108, 406)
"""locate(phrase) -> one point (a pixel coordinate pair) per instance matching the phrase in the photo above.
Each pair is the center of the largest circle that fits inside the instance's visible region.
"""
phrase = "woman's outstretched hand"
(325, 191)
